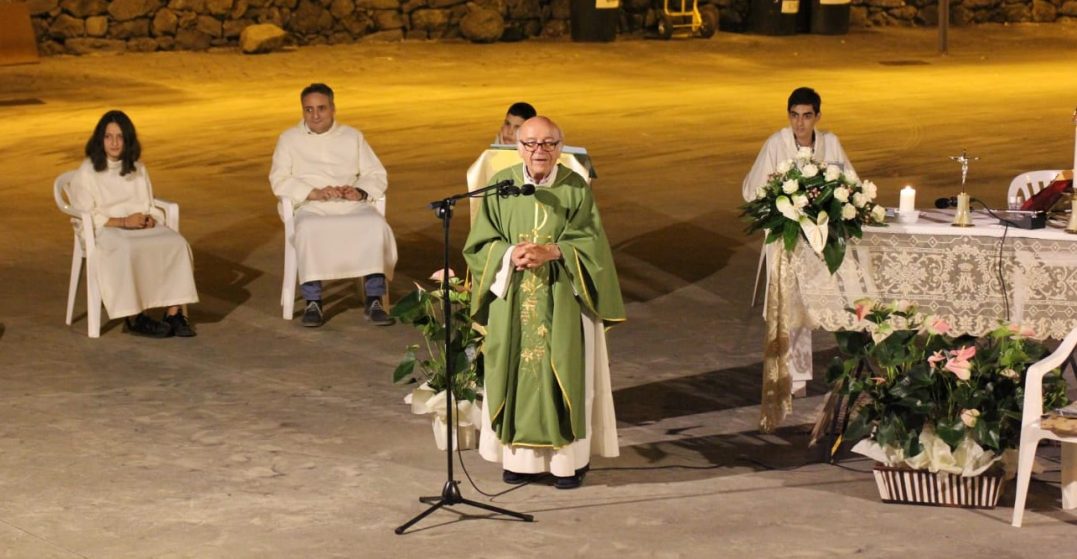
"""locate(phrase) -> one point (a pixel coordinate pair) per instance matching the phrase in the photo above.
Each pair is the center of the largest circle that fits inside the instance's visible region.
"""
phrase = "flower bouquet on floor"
(822, 204)
(425, 363)
(921, 400)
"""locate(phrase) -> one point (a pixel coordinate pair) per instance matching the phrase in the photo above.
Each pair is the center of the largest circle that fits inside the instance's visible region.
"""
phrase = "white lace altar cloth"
(951, 272)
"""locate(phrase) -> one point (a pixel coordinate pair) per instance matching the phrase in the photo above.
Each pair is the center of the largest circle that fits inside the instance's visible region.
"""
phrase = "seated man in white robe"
(804, 113)
(332, 175)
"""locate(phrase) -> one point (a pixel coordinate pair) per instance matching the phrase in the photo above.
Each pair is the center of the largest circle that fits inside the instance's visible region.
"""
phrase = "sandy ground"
(263, 439)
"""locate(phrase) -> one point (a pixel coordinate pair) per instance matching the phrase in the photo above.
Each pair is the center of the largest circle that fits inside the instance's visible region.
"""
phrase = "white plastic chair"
(286, 209)
(85, 246)
(1029, 184)
(1032, 432)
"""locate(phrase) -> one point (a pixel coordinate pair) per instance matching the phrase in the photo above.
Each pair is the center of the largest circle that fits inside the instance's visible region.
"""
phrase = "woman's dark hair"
(95, 147)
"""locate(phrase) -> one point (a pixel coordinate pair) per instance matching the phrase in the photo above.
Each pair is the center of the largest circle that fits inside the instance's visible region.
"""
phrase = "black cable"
(1001, 245)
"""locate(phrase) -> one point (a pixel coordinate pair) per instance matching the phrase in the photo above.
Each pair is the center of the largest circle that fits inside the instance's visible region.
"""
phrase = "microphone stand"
(450, 492)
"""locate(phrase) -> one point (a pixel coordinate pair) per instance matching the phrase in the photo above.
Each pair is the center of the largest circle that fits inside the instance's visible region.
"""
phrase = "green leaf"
(405, 369)
(790, 233)
(834, 253)
(951, 431)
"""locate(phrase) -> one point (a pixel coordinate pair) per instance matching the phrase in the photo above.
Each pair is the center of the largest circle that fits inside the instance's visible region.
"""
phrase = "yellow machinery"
(687, 17)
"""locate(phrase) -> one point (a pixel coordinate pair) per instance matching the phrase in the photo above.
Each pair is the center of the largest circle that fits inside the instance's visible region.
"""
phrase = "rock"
(858, 16)
(526, 9)
(94, 45)
(261, 38)
(96, 26)
(377, 4)
(482, 25)
(555, 28)
(50, 48)
(164, 22)
(290, 4)
(188, 5)
(1043, 11)
(929, 15)
(444, 3)
(562, 9)
(342, 8)
(210, 26)
(190, 39)
(390, 36)
(260, 3)
(1017, 12)
(960, 16)
(219, 7)
(385, 20)
(886, 3)
(358, 24)
(498, 6)
(234, 27)
(430, 21)
(310, 18)
(142, 44)
(1069, 9)
(904, 13)
(38, 7)
(130, 29)
(187, 20)
(123, 10)
(979, 4)
(85, 8)
(411, 5)
(239, 9)
(66, 27)
(166, 43)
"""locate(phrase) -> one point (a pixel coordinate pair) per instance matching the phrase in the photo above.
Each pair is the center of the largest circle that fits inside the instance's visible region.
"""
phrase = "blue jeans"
(373, 286)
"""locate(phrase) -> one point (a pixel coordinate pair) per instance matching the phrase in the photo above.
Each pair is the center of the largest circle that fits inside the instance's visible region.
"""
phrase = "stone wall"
(868, 13)
(83, 26)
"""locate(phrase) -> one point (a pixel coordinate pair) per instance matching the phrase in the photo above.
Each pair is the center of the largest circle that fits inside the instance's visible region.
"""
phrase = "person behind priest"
(804, 112)
(545, 287)
(141, 263)
(514, 117)
(331, 174)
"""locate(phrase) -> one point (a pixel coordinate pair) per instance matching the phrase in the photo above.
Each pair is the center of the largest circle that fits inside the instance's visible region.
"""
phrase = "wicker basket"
(920, 487)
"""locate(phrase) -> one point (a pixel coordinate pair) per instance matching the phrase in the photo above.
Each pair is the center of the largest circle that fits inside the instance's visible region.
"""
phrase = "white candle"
(908, 199)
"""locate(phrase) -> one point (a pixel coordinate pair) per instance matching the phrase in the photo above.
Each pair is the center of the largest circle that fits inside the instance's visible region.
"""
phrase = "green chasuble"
(534, 349)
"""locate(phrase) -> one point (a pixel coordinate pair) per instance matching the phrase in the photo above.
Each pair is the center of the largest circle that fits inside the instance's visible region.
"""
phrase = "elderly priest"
(545, 286)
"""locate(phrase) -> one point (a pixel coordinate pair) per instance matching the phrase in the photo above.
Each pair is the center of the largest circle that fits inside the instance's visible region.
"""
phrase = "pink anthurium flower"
(439, 275)
(936, 358)
(960, 369)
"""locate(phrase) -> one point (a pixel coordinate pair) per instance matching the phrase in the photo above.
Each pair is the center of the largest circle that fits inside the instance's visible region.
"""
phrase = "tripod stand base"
(450, 495)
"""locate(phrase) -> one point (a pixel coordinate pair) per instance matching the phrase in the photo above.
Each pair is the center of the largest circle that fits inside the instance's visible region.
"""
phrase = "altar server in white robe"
(332, 175)
(804, 113)
(141, 263)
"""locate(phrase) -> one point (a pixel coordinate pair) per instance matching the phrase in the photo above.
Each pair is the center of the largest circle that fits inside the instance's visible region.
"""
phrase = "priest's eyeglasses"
(547, 146)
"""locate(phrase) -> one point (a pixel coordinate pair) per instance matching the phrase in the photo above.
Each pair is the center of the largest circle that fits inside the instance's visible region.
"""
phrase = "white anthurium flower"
(790, 186)
(804, 153)
(859, 199)
(848, 212)
(784, 166)
(800, 201)
(851, 176)
(809, 170)
(786, 208)
(815, 231)
(870, 190)
(879, 214)
(841, 194)
(832, 173)
(760, 193)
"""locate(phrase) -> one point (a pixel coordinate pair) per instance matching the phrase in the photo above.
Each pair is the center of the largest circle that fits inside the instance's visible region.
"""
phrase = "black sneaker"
(376, 313)
(573, 481)
(180, 325)
(513, 478)
(142, 325)
(312, 316)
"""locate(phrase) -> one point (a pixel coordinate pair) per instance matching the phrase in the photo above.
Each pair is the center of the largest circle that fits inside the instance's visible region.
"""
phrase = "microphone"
(950, 202)
(527, 190)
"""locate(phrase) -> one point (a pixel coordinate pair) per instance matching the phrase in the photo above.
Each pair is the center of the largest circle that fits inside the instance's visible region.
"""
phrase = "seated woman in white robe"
(142, 264)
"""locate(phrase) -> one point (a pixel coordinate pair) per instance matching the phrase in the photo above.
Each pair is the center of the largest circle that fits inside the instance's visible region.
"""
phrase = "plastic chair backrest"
(1030, 183)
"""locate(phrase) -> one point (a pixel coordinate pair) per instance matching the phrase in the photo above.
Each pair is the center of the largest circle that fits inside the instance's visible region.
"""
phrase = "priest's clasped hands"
(528, 256)
(342, 192)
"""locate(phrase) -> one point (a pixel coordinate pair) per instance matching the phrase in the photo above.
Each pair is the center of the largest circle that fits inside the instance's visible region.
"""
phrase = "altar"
(973, 277)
